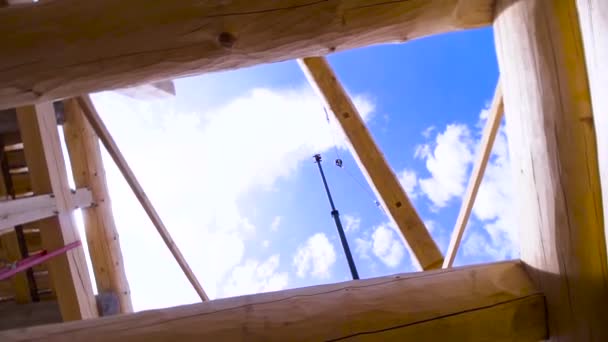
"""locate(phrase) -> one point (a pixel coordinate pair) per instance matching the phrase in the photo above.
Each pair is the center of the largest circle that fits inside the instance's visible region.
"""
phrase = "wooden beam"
(553, 152)
(102, 237)
(30, 209)
(66, 48)
(486, 143)
(379, 174)
(45, 161)
(593, 17)
(100, 129)
(461, 304)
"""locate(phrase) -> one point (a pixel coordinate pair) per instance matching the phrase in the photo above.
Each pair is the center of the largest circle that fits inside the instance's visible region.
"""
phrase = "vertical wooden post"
(593, 17)
(102, 236)
(100, 129)
(554, 160)
(45, 161)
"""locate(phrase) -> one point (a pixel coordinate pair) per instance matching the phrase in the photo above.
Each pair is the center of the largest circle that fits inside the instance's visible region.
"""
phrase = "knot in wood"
(226, 39)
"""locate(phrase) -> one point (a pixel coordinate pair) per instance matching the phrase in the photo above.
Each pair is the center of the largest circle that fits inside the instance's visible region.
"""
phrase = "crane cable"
(340, 164)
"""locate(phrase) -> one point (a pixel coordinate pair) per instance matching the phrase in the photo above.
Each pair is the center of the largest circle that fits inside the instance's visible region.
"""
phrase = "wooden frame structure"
(551, 56)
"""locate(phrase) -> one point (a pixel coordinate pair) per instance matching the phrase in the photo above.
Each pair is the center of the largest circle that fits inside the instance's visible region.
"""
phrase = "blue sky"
(228, 164)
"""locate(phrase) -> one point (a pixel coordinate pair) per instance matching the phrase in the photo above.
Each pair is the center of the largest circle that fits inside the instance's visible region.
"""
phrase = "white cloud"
(409, 182)
(363, 247)
(255, 277)
(448, 165)
(387, 246)
(265, 243)
(422, 151)
(428, 131)
(351, 223)
(494, 206)
(276, 222)
(195, 167)
(315, 257)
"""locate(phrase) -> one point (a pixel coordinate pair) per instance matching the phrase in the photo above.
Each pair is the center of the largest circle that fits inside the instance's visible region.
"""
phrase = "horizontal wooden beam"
(372, 163)
(493, 302)
(65, 48)
(30, 209)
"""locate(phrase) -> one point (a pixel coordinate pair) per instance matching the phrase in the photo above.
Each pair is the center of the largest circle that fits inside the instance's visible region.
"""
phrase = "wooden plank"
(378, 173)
(48, 175)
(104, 135)
(593, 16)
(486, 143)
(98, 45)
(461, 304)
(102, 237)
(29, 209)
(553, 152)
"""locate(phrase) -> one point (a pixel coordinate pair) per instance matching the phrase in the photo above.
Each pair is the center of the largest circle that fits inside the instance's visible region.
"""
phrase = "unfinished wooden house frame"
(553, 60)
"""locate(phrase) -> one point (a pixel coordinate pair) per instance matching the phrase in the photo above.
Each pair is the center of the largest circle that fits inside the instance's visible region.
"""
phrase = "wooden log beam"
(553, 155)
(61, 49)
(460, 304)
(593, 17)
(487, 141)
(29, 209)
(378, 173)
(100, 129)
(46, 164)
(102, 237)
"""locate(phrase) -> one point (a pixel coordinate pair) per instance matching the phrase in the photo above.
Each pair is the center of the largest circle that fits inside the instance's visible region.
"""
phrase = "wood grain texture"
(593, 17)
(493, 302)
(554, 161)
(372, 163)
(102, 237)
(60, 49)
(46, 164)
(100, 129)
(486, 144)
